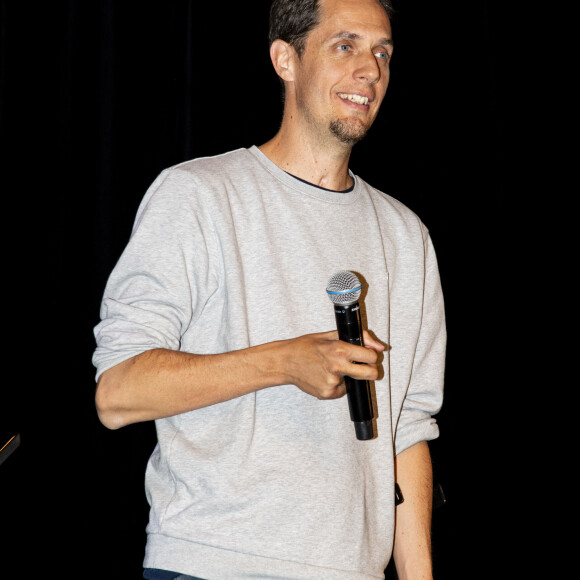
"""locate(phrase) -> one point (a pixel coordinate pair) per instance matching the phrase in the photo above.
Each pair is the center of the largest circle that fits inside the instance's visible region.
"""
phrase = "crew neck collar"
(328, 195)
(320, 186)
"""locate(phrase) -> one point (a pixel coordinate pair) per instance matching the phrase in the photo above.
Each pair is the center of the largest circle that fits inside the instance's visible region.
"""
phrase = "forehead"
(365, 18)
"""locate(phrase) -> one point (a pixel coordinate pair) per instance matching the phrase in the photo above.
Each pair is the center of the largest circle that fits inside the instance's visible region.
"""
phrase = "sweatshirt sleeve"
(157, 289)
(424, 396)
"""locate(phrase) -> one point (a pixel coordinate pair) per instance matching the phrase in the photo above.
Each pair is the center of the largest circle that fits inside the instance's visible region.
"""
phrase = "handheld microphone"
(344, 289)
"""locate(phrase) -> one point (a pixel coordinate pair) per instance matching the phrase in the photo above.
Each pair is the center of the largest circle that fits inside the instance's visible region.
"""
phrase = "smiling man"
(336, 84)
(215, 324)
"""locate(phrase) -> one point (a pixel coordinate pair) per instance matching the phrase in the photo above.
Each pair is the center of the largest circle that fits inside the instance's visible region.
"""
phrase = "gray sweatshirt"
(230, 252)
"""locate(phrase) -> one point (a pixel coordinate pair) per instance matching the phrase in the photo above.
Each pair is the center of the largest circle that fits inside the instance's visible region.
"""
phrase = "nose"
(368, 69)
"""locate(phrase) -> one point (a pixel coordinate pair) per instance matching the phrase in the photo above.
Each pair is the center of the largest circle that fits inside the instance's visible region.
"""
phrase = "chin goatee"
(347, 132)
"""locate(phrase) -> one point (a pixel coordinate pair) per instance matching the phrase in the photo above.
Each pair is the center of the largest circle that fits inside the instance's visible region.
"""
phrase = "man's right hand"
(318, 363)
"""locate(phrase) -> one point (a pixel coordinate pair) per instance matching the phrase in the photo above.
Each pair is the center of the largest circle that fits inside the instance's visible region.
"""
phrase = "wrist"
(270, 364)
(414, 569)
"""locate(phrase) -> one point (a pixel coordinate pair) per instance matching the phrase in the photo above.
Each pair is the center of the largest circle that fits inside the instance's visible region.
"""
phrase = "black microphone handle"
(358, 392)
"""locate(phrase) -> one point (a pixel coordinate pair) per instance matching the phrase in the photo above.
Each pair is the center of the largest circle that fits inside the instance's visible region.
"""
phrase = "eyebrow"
(355, 36)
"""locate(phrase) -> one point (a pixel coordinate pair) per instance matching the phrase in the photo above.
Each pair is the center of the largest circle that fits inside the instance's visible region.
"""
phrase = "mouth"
(358, 99)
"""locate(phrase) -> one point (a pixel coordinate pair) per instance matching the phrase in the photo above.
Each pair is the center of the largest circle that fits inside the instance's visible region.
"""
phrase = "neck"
(322, 163)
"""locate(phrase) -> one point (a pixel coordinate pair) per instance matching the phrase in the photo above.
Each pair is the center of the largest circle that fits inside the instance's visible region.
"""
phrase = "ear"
(282, 56)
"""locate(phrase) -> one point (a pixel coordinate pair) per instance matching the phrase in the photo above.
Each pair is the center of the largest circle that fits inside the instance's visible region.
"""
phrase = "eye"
(343, 47)
(382, 55)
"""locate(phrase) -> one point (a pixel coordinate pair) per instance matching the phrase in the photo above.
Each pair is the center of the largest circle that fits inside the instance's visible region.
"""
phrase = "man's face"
(343, 75)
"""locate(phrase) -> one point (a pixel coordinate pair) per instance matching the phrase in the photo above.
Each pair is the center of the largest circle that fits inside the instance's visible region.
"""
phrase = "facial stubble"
(348, 131)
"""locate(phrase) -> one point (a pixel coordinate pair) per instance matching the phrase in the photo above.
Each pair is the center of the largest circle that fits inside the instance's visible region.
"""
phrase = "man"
(211, 326)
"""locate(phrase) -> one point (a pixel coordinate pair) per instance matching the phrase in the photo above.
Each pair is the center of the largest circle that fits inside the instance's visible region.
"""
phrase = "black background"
(97, 98)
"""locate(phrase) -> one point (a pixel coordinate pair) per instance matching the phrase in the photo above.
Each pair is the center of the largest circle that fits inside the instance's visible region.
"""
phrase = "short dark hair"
(292, 20)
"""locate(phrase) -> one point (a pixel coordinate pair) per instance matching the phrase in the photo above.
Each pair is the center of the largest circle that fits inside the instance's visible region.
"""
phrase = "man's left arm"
(416, 426)
(412, 547)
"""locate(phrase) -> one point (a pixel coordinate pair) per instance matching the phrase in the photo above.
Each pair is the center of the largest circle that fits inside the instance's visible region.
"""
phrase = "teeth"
(354, 98)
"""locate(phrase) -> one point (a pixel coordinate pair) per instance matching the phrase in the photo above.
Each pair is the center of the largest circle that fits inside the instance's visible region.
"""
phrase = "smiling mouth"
(354, 98)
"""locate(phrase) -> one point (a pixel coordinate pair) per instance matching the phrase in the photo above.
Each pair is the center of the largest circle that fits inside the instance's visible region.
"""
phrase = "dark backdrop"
(96, 99)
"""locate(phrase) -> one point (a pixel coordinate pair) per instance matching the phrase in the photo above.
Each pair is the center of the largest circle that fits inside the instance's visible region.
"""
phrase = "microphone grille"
(344, 288)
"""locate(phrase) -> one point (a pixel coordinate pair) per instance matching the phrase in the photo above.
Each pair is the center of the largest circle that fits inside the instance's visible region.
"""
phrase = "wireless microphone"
(344, 290)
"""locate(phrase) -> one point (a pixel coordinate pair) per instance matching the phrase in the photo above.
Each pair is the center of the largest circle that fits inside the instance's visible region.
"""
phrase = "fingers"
(317, 363)
(358, 354)
(360, 363)
(371, 342)
(342, 359)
